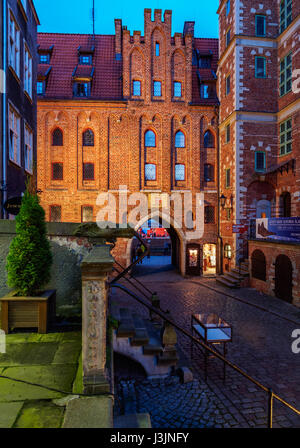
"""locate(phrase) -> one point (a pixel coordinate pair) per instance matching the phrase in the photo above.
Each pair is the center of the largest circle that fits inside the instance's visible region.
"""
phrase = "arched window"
(285, 205)
(179, 140)
(150, 140)
(258, 262)
(57, 137)
(209, 141)
(88, 138)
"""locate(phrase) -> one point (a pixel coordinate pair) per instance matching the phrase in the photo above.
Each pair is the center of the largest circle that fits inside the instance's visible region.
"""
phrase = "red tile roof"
(107, 73)
(107, 83)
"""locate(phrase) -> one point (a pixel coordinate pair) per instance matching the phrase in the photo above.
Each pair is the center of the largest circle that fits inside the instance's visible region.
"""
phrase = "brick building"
(259, 122)
(131, 110)
(18, 115)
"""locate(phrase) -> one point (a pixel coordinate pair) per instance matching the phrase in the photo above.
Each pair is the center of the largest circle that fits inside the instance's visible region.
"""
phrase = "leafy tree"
(29, 259)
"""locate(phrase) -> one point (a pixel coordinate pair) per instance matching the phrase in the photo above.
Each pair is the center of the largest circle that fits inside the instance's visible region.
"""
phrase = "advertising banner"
(284, 229)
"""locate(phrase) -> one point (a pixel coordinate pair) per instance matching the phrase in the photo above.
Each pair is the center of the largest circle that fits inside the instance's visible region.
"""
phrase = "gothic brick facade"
(259, 114)
(120, 87)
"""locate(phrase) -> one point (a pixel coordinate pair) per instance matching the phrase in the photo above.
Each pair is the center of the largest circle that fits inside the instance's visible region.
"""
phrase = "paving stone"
(9, 413)
(40, 414)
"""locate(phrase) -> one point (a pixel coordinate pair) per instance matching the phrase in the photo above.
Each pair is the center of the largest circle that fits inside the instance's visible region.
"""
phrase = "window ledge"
(14, 74)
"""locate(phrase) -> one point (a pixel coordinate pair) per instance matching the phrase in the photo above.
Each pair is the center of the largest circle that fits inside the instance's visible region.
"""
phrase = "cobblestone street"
(261, 346)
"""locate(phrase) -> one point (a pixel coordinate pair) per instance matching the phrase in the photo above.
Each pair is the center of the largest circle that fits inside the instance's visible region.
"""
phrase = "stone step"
(231, 279)
(167, 359)
(224, 282)
(241, 271)
(140, 337)
(126, 328)
(234, 276)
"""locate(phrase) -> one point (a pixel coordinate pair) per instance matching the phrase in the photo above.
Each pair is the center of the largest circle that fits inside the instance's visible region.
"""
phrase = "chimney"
(188, 28)
(118, 39)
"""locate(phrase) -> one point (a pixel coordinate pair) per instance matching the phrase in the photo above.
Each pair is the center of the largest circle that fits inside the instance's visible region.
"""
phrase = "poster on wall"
(284, 229)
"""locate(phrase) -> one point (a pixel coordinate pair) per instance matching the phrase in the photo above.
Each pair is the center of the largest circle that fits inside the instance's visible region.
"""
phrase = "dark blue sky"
(74, 16)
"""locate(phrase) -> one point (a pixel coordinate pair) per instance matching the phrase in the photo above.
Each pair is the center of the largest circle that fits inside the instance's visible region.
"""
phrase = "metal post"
(270, 408)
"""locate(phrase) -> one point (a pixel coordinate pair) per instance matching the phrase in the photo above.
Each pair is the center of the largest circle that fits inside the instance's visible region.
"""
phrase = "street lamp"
(222, 200)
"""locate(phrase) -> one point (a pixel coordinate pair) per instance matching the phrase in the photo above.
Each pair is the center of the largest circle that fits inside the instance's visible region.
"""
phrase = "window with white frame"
(27, 71)
(14, 45)
(150, 171)
(28, 150)
(14, 136)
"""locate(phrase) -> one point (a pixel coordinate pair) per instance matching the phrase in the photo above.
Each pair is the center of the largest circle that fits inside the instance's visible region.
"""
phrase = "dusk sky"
(74, 16)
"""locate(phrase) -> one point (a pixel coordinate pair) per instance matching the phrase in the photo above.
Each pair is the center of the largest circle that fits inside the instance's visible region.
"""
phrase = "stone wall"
(68, 252)
(271, 251)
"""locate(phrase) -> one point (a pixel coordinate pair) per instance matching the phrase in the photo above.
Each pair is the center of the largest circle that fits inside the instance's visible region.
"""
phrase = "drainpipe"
(4, 124)
(220, 239)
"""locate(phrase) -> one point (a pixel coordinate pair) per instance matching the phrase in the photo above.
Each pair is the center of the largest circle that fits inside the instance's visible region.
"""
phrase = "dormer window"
(82, 89)
(85, 59)
(44, 58)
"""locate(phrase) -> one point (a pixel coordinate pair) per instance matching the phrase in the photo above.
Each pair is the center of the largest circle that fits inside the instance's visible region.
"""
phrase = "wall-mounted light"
(222, 200)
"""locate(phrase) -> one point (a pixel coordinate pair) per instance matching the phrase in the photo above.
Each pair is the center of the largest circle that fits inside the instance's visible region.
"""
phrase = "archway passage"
(284, 278)
(164, 246)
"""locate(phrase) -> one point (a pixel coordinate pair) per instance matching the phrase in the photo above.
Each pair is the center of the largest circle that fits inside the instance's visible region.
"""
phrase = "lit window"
(227, 38)
(27, 72)
(286, 137)
(260, 26)
(150, 171)
(55, 213)
(40, 87)
(228, 133)
(260, 161)
(14, 137)
(88, 171)
(156, 88)
(285, 80)
(157, 49)
(209, 141)
(260, 67)
(285, 14)
(85, 59)
(82, 89)
(136, 88)
(150, 139)
(208, 172)
(177, 89)
(179, 172)
(228, 85)
(57, 137)
(179, 140)
(44, 58)
(227, 251)
(88, 138)
(57, 171)
(14, 45)
(227, 178)
(204, 91)
(28, 149)
(87, 213)
(227, 7)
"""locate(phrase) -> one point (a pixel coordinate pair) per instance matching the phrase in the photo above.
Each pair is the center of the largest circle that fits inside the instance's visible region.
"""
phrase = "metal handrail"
(126, 270)
(271, 394)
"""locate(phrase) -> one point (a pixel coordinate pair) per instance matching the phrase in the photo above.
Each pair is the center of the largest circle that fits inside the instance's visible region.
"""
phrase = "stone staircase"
(235, 278)
(141, 340)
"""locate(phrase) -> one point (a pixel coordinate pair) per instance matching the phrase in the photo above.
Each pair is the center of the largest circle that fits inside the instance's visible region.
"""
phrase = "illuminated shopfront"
(209, 259)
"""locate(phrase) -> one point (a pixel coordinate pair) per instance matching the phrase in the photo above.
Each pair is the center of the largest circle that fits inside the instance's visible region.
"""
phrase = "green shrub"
(29, 259)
